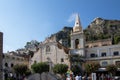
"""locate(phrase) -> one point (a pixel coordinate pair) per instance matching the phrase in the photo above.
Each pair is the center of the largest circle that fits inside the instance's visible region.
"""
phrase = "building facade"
(102, 51)
(9, 61)
(51, 52)
(105, 55)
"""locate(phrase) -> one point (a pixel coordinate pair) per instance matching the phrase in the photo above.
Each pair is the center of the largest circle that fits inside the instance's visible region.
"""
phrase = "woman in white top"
(76, 77)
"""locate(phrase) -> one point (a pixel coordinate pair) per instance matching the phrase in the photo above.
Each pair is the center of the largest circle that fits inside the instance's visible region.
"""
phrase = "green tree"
(116, 39)
(118, 65)
(31, 53)
(21, 69)
(91, 67)
(40, 67)
(111, 69)
(60, 69)
(77, 62)
(76, 69)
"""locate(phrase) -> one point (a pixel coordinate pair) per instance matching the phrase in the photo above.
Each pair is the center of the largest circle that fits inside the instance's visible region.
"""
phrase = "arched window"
(12, 64)
(76, 43)
(62, 59)
(6, 64)
(47, 48)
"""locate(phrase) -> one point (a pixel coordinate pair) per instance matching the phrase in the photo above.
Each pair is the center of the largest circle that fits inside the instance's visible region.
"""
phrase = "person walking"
(80, 77)
(77, 77)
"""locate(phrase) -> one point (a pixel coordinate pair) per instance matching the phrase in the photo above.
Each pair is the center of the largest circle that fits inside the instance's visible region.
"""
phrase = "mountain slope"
(103, 29)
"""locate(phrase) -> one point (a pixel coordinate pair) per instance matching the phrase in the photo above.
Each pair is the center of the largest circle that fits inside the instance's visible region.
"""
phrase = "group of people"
(104, 77)
(78, 77)
(72, 77)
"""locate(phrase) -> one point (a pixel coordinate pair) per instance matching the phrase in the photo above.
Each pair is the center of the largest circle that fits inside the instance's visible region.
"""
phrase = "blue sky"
(25, 20)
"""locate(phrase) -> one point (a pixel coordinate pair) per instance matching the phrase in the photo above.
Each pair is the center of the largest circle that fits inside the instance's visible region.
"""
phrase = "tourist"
(68, 78)
(76, 77)
(80, 77)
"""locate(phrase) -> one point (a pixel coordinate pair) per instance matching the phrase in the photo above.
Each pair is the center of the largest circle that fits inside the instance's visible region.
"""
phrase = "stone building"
(105, 55)
(53, 52)
(98, 43)
(1, 53)
(9, 60)
(101, 51)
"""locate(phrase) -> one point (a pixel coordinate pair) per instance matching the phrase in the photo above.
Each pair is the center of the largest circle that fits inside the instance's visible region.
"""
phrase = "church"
(53, 52)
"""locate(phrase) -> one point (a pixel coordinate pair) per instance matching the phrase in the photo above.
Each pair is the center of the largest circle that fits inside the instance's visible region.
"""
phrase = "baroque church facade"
(53, 52)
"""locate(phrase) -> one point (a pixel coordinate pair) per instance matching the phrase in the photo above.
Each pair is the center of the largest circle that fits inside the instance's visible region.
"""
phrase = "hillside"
(103, 29)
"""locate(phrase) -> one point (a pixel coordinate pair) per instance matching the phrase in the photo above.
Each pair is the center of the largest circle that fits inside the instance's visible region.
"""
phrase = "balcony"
(77, 52)
(102, 58)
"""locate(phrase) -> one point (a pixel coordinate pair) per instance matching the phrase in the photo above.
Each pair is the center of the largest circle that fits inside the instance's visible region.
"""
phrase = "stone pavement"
(44, 76)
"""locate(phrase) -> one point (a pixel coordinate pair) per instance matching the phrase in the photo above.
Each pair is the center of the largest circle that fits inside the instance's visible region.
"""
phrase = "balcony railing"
(76, 52)
(105, 57)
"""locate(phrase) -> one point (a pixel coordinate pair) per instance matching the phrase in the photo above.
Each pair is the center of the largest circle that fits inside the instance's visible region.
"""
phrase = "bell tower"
(77, 36)
(77, 27)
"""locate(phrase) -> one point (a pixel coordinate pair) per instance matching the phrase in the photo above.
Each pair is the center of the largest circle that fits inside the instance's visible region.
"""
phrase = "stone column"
(108, 52)
(111, 55)
(98, 52)
(1, 55)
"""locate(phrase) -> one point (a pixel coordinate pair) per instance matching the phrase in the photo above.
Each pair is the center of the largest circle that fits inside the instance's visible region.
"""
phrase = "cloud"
(72, 17)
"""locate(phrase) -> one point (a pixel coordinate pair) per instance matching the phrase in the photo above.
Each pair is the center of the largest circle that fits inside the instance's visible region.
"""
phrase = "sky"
(24, 20)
